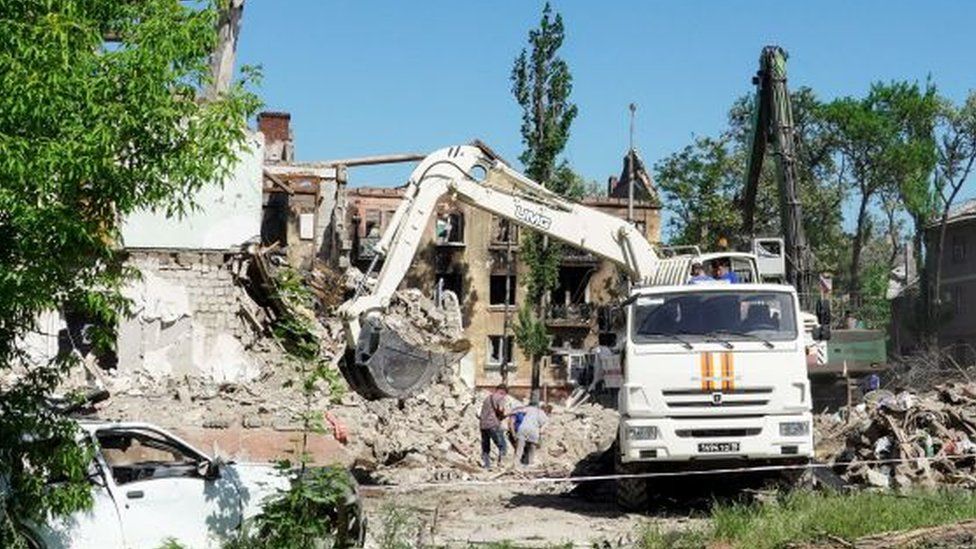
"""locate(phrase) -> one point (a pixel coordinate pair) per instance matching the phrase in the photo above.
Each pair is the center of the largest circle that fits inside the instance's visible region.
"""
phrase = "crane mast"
(773, 123)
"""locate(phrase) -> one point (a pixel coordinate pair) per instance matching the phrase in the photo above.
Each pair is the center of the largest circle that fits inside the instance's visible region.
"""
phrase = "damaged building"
(476, 255)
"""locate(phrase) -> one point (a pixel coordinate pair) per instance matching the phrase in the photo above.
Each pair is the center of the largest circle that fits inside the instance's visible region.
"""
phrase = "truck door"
(160, 493)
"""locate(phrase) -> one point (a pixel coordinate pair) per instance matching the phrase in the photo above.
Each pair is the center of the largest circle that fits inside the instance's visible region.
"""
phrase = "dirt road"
(525, 515)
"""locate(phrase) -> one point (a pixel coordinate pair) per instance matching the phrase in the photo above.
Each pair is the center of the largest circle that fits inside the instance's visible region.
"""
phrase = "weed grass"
(807, 516)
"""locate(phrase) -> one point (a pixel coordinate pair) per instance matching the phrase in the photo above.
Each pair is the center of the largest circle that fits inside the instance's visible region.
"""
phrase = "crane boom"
(773, 122)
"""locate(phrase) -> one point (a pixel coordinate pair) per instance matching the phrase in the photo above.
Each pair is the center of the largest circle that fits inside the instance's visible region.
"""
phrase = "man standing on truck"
(722, 270)
(492, 412)
(698, 275)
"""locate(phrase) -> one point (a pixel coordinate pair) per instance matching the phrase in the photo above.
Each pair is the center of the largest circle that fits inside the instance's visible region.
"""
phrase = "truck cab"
(714, 372)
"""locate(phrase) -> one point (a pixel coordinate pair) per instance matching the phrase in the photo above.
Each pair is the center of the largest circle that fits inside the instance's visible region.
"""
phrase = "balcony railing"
(574, 315)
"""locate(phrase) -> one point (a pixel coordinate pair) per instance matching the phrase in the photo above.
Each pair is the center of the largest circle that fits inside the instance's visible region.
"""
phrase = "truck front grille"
(717, 433)
(729, 398)
(713, 404)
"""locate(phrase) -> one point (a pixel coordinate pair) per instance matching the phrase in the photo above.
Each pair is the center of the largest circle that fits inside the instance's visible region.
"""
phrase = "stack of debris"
(435, 435)
(904, 439)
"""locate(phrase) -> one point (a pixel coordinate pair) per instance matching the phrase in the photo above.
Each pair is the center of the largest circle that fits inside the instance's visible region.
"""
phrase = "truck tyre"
(632, 494)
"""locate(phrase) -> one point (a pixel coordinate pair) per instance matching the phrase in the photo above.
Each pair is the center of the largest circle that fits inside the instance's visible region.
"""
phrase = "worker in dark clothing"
(492, 413)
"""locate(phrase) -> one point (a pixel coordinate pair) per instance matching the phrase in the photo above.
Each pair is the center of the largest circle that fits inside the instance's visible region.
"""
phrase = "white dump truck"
(712, 374)
(711, 371)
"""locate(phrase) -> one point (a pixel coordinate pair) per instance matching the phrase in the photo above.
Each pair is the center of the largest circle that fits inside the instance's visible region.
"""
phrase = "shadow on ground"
(671, 496)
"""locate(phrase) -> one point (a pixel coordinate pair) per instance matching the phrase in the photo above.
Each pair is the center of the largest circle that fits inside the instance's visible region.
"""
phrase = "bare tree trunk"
(856, 246)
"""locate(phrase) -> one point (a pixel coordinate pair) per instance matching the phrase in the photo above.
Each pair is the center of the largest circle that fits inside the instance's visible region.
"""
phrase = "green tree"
(702, 184)
(89, 133)
(699, 184)
(542, 84)
(885, 139)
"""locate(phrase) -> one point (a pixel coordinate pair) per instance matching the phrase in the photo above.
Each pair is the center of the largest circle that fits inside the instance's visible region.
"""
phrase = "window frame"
(508, 300)
(507, 343)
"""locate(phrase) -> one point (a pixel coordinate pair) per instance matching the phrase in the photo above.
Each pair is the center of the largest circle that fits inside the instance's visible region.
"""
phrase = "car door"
(161, 492)
(97, 526)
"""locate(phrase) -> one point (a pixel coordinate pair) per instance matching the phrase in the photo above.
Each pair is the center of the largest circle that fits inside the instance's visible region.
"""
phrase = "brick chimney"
(279, 144)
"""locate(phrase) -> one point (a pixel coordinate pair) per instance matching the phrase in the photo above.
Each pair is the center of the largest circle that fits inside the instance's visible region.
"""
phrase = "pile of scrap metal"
(904, 439)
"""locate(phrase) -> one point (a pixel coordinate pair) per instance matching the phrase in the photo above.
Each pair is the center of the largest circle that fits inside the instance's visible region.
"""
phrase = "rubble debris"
(436, 432)
(933, 432)
(420, 322)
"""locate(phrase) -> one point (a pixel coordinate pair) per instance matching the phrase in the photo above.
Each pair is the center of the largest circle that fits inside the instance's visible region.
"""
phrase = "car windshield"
(731, 315)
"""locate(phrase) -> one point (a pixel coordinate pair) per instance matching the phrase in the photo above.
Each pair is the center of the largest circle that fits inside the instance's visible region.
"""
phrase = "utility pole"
(630, 166)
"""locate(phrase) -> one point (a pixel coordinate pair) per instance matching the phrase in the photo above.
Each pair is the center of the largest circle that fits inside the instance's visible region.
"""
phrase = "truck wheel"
(632, 494)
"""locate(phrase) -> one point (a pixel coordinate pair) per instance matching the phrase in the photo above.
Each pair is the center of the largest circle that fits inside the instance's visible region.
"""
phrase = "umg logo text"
(535, 219)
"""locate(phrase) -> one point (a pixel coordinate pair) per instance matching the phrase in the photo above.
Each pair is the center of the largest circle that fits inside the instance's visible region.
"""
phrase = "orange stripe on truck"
(705, 375)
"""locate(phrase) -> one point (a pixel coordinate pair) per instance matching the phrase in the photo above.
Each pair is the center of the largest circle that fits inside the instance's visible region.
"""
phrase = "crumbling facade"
(476, 255)
(302, 201)
(957, 289)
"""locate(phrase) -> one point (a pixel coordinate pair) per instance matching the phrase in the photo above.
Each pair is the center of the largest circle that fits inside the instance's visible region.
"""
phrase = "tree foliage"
(90, 132)
(542, 84)
(703, 183)
(885, 139)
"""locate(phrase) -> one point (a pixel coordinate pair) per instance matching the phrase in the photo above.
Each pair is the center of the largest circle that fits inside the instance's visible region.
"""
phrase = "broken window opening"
(449, 281)
(449, 228)
(135, 455)
(503, 231)
(959, 300)
(570, 299)
(500, 352)
(958, 249)
(372, 224)
(500, 285)
(572, 287)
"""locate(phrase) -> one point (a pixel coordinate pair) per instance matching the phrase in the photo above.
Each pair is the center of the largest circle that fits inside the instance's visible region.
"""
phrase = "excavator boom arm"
(379, 363)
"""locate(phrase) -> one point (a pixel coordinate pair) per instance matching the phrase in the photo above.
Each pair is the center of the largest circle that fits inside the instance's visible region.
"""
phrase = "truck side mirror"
(823, 314)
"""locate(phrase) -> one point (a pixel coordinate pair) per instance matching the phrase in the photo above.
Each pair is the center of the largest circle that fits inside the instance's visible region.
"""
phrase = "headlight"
(794, 429)
(647, 432)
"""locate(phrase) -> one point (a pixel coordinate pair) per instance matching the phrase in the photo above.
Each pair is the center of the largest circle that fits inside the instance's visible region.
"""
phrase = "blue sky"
(369, 77)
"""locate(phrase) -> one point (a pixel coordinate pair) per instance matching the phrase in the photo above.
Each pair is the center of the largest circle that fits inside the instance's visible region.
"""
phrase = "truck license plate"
(718, 447)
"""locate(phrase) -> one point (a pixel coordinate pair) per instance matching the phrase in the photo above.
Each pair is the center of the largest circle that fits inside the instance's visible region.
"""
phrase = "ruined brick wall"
(188, 317)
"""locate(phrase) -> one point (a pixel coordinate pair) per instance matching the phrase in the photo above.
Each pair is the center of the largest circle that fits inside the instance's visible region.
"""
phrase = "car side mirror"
(209, 470)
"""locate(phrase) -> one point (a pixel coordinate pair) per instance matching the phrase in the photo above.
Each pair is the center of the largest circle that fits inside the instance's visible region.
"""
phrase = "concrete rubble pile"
(432, 436)
(435, 436)
(420, 322)
(933, 432)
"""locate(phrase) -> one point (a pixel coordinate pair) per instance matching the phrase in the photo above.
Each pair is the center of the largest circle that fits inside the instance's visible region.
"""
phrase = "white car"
(150, 487)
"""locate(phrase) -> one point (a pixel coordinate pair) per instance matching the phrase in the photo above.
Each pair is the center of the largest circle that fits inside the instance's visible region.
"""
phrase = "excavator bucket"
(385, 365)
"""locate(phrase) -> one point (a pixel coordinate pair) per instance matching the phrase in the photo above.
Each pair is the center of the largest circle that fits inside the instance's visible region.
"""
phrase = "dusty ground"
(525, 515)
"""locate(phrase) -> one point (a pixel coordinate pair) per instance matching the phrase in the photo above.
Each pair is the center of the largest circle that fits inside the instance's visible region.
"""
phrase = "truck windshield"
(707, 316)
